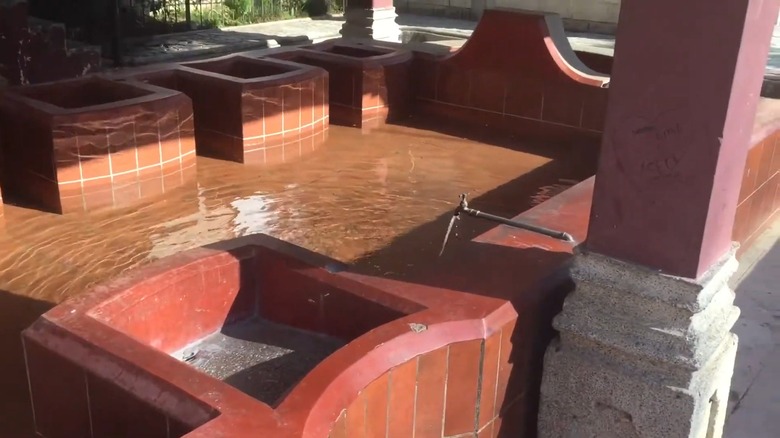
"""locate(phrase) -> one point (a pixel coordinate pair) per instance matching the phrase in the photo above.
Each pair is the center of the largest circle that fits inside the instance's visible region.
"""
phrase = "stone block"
(640, 354)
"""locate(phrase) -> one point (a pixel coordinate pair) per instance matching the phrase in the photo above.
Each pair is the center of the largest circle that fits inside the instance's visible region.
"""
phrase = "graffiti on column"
(654, 148)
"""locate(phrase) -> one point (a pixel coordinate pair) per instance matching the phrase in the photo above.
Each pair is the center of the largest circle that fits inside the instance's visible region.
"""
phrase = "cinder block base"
(640, 354)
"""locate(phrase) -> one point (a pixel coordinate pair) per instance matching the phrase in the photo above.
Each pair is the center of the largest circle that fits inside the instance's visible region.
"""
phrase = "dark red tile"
(93, 150)
(169, 136)
(273, 108)
(765, 163)
(594, 110)
(343, 81)
(750, 174)
(356, 418)
(151, 184)
(275, 154)
(424, 73)
(398, 90)
(320, 101)
(59, 394)
(177, 429)
(117, 414)
(766, 196)
(742, 221)
(307, 102)
(252, 108)
(489, 380)
(431, 380)
(68, 172)
(122, 147)
(401, 401)
(524, 99)
(98, 199)
(513, 422)
(563, 104)
(777, 191)
(453, 85)
(487, 91)
(376, 397)
(462, 380)
(292, 107)
(504, 367)
(775, 139)
(486, 431)
(340, 427)
(186, 131)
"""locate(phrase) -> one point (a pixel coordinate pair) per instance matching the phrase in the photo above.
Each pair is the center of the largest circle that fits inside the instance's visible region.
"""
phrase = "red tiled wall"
(367, 308)
(458, 390)
(759, 197)
(109, 157)
(257, 122)
(364, 92)
(230, 287)
(294, 121)
(206, 294)
(94, 407)
(524, 91)
(148, 153)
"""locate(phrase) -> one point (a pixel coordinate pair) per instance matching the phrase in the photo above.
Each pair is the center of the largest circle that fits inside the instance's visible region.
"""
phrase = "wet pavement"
(260, 358)
(362, 199)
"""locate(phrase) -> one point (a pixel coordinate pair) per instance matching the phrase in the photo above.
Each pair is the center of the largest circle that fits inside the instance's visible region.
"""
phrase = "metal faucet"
(463, 207)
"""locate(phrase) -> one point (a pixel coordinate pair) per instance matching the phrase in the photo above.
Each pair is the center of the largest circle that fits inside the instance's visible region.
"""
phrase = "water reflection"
(349, 199)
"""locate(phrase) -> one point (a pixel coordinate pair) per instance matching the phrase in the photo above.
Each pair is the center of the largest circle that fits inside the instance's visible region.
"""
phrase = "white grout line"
(263, 135)
(416, 386)
(266, 147)
(110, 165)
(497, 409)
(446, 379)
(89, 405)
(29, 384)
(511, 115)
(178, 134)
(126, 172)
(137, 162)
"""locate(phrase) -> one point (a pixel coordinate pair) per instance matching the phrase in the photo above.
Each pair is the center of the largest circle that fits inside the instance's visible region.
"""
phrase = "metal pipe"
(463, 207)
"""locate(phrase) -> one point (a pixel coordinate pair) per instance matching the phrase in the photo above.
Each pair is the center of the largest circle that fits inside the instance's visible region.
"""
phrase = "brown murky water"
(352, 200)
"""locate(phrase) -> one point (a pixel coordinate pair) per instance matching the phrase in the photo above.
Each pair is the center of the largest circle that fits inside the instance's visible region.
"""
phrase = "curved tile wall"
(251, 110)
(107, 352)
(92, 142)
(539, 90)
(369, 85)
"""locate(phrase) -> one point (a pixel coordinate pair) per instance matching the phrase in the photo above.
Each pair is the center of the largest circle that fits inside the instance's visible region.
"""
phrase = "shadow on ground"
(534, 279)
(17, 313)
(753, 401)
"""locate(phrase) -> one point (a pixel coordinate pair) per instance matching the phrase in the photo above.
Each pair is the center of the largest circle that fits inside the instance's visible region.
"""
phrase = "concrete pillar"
(645, 348)
(371, 19)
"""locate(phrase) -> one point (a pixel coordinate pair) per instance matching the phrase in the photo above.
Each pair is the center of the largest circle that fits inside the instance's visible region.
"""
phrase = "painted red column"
(369, 4)
(685, 85)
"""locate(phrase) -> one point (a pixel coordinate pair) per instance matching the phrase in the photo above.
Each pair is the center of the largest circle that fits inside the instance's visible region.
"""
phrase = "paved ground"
(754, 405)
(254, 36)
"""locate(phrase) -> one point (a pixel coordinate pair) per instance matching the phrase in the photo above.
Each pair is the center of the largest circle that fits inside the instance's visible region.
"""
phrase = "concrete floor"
(215, 42)
(754, 405)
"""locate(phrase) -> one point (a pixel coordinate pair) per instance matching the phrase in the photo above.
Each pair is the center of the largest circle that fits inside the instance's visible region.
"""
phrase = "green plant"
(240, 8)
